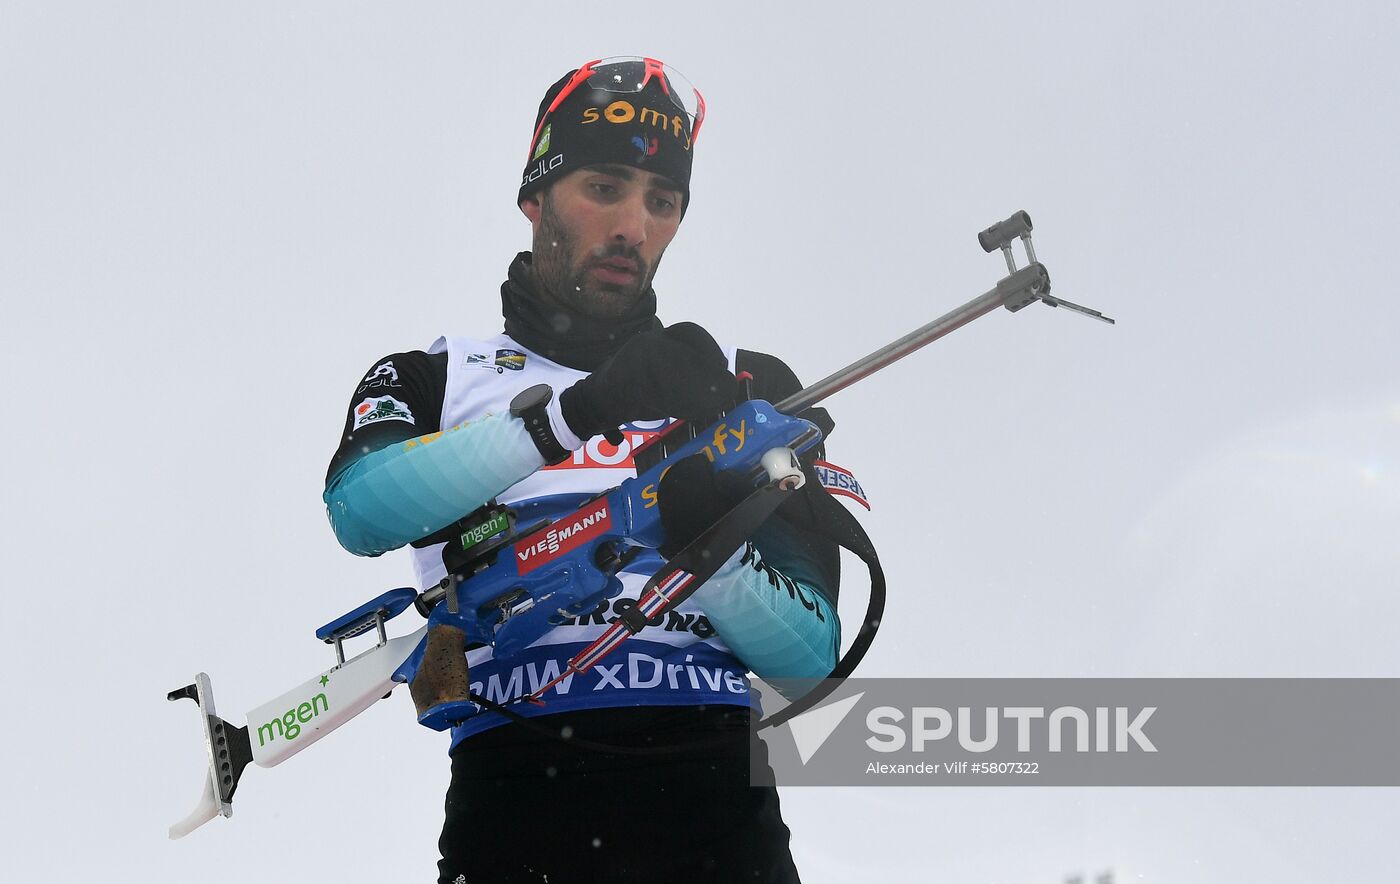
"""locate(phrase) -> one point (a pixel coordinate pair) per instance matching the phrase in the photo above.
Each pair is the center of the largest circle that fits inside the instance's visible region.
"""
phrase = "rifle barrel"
(890, 353)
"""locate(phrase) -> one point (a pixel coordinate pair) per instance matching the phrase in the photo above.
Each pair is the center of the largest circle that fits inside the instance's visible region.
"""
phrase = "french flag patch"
(839, 482)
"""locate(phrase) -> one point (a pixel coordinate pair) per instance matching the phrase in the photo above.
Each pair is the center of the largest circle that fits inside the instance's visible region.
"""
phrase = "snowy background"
(214, 217)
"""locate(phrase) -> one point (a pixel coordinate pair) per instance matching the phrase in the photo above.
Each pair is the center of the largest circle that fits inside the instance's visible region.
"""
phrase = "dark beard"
(559, 332)
(556, 272)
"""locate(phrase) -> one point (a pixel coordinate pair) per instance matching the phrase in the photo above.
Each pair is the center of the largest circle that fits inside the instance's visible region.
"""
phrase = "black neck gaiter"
(560, 333)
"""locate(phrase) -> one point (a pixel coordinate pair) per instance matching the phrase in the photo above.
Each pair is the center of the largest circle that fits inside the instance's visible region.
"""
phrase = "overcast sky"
(214, 217)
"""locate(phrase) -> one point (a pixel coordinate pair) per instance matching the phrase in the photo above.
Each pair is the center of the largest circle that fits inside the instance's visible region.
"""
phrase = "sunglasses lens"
(630, 74)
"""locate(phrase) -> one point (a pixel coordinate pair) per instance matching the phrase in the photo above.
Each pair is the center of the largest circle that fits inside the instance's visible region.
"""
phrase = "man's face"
(599, 233)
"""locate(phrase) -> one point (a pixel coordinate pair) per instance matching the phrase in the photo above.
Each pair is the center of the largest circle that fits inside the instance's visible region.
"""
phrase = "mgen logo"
(569, 533)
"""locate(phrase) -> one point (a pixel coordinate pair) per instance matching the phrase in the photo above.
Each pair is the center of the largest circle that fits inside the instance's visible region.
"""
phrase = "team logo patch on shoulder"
(381, 408)
(839, 482)
(384, 375)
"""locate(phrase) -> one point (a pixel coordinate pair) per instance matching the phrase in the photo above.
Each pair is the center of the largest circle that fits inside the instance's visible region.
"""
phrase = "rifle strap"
(845, 531)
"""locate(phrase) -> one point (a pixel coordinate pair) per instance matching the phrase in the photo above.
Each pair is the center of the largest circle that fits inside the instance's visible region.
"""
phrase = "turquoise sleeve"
(779, 626)
(777, 620)
(410, 489)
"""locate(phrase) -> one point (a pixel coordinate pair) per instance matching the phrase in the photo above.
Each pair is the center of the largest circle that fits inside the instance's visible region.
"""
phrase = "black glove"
(671, 372)
(692, 497)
